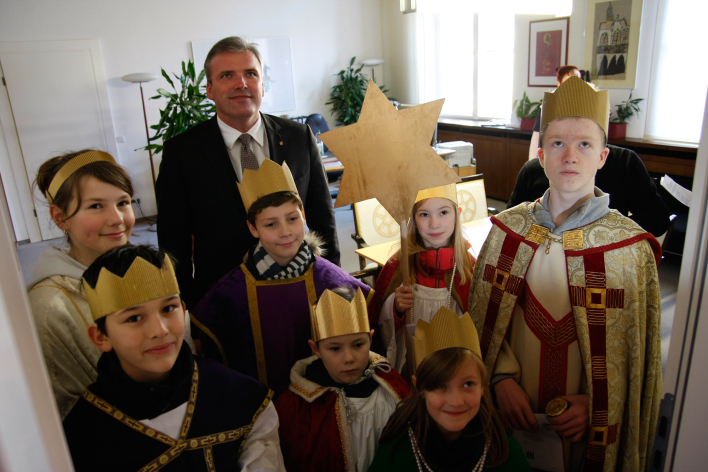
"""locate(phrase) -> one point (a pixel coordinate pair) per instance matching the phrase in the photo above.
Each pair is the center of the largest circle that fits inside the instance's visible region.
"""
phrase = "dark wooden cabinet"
(501, 152)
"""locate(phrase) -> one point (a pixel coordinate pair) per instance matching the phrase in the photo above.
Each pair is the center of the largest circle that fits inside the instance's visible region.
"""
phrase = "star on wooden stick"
(387, 154)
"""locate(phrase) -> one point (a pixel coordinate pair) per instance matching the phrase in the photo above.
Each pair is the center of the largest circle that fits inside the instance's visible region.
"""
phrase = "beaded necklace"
(420, 460)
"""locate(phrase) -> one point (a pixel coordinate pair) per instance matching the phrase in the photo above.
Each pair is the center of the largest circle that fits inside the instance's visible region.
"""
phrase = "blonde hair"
(457, 242)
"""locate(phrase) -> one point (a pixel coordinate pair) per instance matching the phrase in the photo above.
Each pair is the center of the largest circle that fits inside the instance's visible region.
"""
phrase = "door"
(58, 102)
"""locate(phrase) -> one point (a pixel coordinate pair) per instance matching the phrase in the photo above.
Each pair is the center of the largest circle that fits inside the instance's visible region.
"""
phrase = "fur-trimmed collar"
(316, 243)
(310, 391)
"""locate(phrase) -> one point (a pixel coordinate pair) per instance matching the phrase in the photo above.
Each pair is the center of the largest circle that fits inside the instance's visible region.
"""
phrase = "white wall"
(142, 36)
(399, 41)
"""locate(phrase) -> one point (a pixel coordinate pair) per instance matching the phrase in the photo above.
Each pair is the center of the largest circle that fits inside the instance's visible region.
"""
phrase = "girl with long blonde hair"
(440, 269)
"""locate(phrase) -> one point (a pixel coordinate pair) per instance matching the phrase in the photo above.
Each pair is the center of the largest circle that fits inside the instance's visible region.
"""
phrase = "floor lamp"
(139, 78)
(372, 63)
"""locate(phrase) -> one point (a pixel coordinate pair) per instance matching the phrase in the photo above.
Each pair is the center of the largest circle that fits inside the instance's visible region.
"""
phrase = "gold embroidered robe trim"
(182, 444)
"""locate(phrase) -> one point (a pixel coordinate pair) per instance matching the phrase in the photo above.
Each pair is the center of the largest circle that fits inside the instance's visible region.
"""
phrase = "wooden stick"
(403, 263)
(409, 368)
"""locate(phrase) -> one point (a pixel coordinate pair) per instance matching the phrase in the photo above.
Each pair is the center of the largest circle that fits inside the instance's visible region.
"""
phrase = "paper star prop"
(387, 154)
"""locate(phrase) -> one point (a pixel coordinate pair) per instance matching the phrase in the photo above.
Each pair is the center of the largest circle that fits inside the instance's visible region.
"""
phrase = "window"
(465, 53)
(468, 59)
(679, 76)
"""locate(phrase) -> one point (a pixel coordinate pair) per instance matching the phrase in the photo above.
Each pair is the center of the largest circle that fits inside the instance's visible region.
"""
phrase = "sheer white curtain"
(679, 73)
(465, 53)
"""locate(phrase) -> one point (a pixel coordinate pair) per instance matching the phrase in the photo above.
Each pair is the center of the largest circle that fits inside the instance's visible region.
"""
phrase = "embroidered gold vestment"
(616, 306)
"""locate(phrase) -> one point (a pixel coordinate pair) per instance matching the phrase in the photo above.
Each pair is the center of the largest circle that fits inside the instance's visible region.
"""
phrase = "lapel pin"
(281, 143)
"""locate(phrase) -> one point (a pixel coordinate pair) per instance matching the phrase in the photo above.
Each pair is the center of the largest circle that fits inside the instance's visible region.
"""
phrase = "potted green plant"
(185, 108)
(526, 111)
(347, 97)
(625, 110)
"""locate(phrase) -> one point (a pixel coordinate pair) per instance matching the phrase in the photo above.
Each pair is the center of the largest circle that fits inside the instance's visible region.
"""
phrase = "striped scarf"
(271, 270)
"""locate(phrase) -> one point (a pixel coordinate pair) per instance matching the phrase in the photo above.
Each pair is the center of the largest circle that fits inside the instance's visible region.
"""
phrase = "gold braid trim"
(341, 433)
(213, 337)
(264, 405)
(252, 293)
(304, 392)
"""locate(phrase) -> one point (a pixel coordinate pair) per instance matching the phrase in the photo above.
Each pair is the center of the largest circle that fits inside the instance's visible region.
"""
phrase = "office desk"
(475, 232)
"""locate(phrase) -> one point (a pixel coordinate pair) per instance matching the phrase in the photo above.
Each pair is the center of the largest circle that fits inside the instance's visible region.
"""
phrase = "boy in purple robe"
(256, 319)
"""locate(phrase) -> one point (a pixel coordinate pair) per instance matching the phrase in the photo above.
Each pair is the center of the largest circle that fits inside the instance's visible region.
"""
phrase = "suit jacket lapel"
(216, 154)
(276, 142)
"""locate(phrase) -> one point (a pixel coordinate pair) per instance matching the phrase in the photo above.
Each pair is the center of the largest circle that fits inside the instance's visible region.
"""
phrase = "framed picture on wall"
(612, 42)
(548, 50)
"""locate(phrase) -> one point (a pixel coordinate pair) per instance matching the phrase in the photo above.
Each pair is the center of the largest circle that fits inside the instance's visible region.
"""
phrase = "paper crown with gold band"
(269, 178)
(445, 330)
(575, 97)
(334, 315)
(141, 283)
(448, 191)
(72, 166)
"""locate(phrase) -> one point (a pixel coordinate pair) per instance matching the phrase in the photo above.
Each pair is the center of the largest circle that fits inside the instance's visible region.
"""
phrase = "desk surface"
(475, 231)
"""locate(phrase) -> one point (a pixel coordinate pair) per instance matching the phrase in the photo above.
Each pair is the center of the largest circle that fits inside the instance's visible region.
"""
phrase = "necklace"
(420, 460)
(550, 240)
(349, 407)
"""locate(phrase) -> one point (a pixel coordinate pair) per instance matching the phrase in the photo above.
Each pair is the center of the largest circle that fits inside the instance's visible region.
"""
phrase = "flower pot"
(617, 131)
(527, 123)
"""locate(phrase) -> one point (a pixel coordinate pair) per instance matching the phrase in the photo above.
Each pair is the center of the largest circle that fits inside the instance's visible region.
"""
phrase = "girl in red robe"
(440, 272)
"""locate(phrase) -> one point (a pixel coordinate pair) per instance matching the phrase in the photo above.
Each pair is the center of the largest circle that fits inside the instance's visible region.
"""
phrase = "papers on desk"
(678, 192)
(542, 448)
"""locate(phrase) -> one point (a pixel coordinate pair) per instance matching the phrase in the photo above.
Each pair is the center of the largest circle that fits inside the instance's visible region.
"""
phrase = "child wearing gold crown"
(341, 397)
(89, 200)
(566, 299)
(440, 271)
(153, 405)
(449, 421)
(256, 319)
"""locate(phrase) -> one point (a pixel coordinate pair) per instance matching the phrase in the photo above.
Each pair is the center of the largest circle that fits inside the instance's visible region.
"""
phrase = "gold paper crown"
(141, 283)
(335, 316)
(72, 166)
(575, 97)
(448, 191)
(445, 330)
(269, 178)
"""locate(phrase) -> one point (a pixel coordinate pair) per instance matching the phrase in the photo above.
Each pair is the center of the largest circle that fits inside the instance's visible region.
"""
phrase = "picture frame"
(612, 42)
(548, 50)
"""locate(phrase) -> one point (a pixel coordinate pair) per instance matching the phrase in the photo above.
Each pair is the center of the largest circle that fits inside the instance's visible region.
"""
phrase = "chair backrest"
(317, 122)
(472, 198)
(374, 224)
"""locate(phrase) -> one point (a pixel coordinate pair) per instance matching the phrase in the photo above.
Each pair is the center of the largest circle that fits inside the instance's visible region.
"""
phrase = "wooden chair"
(472, 199)
(372, 225)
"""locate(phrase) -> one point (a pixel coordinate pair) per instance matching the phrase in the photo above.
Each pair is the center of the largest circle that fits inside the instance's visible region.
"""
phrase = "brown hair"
(272, 200)
(457, 241)
(432, 373)
(230, 44)
(108, 172)
(565, 70)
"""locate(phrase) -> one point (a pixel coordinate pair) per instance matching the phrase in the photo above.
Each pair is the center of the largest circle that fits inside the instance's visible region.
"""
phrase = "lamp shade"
(372, 62)
(140, 77)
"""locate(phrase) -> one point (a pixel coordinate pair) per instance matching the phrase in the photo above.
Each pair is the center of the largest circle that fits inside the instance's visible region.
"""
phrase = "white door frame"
(683, 408)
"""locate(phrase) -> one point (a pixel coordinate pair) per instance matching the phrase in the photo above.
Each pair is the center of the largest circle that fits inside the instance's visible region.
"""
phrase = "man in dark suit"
(201, 218)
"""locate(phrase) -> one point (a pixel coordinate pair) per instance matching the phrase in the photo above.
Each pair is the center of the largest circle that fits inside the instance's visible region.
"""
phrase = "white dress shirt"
(259, 143)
